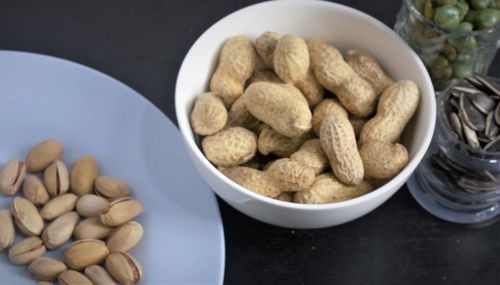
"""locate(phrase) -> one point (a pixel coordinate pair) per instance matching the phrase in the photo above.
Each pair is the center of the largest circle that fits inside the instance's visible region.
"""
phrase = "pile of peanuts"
(309, 126)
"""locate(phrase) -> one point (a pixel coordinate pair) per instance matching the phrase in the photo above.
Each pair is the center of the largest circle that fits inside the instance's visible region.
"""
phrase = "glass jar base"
(427, 199)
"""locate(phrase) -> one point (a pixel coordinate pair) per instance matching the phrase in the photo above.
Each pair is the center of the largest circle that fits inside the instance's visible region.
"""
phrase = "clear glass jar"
(466, 188)
(447, 55)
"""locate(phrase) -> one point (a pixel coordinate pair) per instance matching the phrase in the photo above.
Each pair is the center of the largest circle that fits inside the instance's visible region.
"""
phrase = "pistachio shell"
(121, 211)
(56, 178)
(92, 228)
(124, 268)
(90, 205)
(35, 191)
(86, 252)
(11, 176)
(125, 237)
(45, 268)
(60, 230)
(72, 277)
(58, 206)
(110, 187)
(43, 154)
(26, 250)
(26, 216)
(7, 231)
(98, 275)
(83, 174)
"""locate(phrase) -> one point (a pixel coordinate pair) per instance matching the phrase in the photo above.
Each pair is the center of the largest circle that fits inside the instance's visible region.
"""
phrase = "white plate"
(91, 113)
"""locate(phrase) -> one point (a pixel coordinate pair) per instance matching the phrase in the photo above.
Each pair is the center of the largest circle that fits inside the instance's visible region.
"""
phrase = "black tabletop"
(143, 43)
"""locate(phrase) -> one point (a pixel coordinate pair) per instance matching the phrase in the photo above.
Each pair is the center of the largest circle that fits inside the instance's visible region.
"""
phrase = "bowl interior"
(341, 26)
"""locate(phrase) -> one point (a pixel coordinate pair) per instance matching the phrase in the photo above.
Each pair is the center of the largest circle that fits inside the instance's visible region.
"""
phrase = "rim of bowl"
(185, 128)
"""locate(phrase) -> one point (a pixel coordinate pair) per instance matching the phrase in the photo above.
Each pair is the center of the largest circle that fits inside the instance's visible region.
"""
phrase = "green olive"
(428, 10)
(468, 45)
(470, 15)
(444, 2)
(442, 84)
(419, 4)
(447, 17)
(464, 8)
(479, 4)
(461, 70)
(449, 51)
(442, 73)
(464, 27)
(486, 18)
(437, 62)
(465, 58)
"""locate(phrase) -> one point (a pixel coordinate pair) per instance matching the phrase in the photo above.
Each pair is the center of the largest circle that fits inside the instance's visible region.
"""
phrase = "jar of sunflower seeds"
(459, 178)
(454, 38)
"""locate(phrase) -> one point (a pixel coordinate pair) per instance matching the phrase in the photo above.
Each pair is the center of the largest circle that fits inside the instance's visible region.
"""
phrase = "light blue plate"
(91, 113)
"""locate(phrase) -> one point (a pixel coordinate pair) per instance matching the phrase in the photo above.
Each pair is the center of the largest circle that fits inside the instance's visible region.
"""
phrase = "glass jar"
(448, 56)
(454, 181)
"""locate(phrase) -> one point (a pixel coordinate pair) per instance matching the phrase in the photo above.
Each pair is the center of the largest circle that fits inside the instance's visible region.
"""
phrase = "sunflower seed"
(483, 102)
(491, 129)
(441, 163)
(456, 125)
(491, 176)
(463, 89)
(497, 114)
(492, 86)
(473, 80)
(472, 184)
(471, 137)
(483, 138)
(454, 103)
(470, 115)
(493, 146)
(455, 94)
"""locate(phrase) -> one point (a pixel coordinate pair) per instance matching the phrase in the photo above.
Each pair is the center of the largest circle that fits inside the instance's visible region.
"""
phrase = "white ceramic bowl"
(341, 26)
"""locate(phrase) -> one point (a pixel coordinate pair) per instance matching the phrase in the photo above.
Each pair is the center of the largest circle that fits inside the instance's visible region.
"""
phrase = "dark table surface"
(142, 43)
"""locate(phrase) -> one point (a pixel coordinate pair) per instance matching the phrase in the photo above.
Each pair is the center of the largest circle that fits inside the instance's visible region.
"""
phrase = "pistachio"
(72, 277)
(11, 176)
(92, 228)
(56, 178)
(43, 154)
(58, 206)
(121, 211)
(26, 250)
(86, 252)
(110, 187)
(83, 174)
(45, 268)
(89, 205)
(35, 191)
(7, 231)
(26, 217)
(60, 230)
(124, 268)
(125, 237)
(98, 275)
